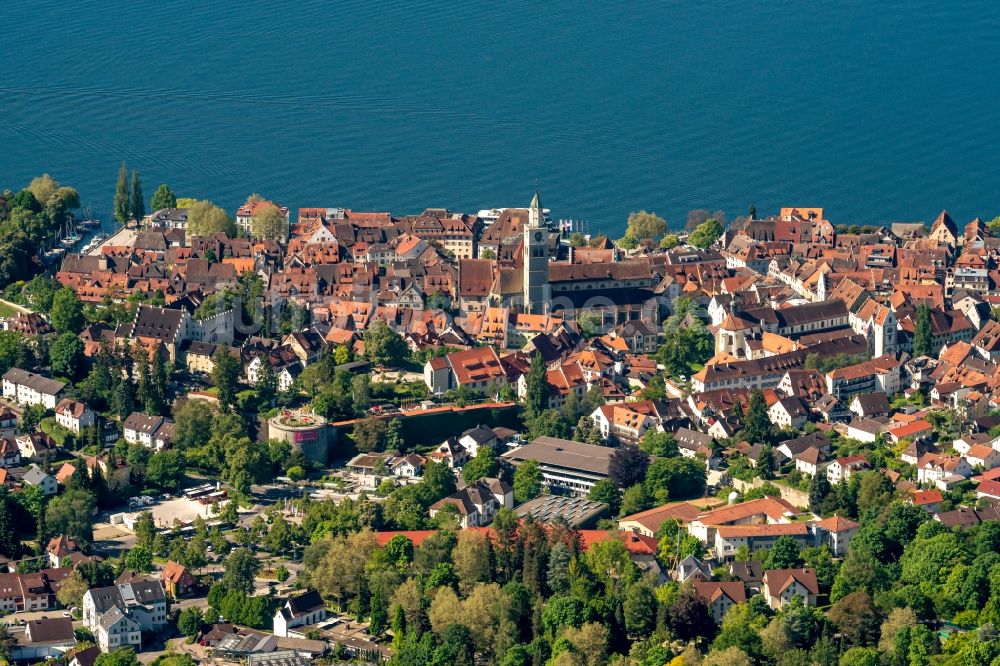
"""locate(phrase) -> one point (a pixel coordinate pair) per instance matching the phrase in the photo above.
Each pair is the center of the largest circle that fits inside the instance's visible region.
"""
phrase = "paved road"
(28, 616)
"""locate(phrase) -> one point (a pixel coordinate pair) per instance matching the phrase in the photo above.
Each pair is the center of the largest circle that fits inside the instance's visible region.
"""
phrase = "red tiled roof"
(924, 497)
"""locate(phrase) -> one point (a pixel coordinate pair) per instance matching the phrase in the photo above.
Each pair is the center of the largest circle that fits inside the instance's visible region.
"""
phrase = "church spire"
(535, 211)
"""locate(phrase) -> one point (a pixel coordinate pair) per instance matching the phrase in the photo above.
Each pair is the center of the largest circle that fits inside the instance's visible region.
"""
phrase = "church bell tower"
(537, 292)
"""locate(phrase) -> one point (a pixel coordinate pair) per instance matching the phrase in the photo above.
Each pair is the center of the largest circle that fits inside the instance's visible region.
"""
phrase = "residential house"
(246, 212)
(60, 547)
(42, 480)
(692, 443)
(720, 597)
(117, 628)
(928, 500)
(30, 591)
(476, 438)
(942, 471)
(74, 415)
(476, 369)
(118, 614)
(749, 572)
(300, 611)
(840, 469)
(648, 522)
(477, 502)
(408, 467)
(153, 432)
(915, 430)
(989, 490)
(981, 456)
(10, 453)
(693, 569)
(837, 532)
(766, 510)
(27, 388)
(730, 538)
(882, 373)
(780, 586)
(628, 426)
(867, 405)
(154, 327)
(85, 657)
(36, 446)
(789, 413)
(867, 430)
(177, 580)
(812, 461)
(44, 638)
(450, 452)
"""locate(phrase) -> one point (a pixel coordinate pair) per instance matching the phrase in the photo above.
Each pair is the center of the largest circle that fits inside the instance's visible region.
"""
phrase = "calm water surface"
(877, 111)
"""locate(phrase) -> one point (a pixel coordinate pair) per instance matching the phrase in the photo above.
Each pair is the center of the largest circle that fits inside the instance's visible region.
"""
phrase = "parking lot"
(179, 508)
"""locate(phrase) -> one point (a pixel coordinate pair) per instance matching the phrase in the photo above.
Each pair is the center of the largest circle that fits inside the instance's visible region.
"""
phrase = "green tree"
(383, 345)
(67, 311)
(361, 393)
(192, 424)
(588, 432)
(66, 355)
(122, 199)
(225, 375)
(72, 589)
(784, 554)
(635, 499)
(706, 233)
(123, 656)
(369, 434)
(860, 656)
(165, 470)
(536, 396)
(640, 610)
(819, 488)
(660, 444)
(10, 544)
(138, 559)
(642, 225)
(70, 514)
(241, 568)
(190, 621)
(484, 464)
(605, 491)
(527, 481)
(922, 331)
(137, 203)
(43, 187)
(145, 530)
(267, 384)
(561, 611)
(269, 223)
(163, 197)
(39, 292)
(205, 218)
(757, 424)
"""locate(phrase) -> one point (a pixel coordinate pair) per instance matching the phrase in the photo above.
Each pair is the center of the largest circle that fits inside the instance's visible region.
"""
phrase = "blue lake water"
(877, 111)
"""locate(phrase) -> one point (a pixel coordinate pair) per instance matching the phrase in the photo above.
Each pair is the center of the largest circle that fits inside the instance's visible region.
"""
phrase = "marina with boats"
(70, 235)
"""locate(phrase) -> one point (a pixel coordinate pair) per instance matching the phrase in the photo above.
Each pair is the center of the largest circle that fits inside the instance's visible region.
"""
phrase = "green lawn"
(6, 310)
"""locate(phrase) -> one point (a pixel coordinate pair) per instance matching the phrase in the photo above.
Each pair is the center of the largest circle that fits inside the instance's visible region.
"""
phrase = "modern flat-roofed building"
(567, 466)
